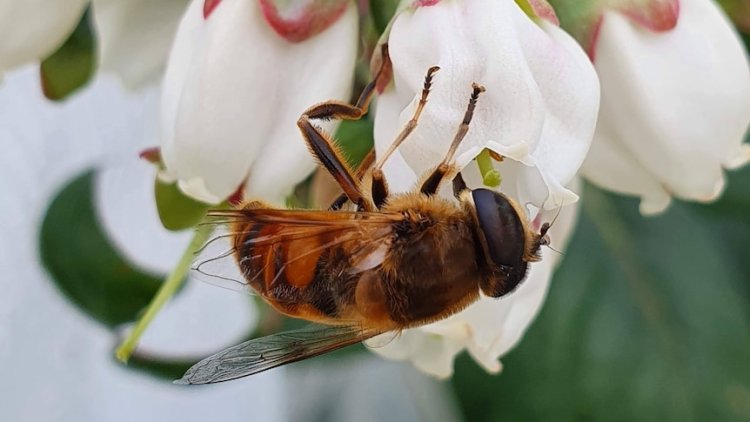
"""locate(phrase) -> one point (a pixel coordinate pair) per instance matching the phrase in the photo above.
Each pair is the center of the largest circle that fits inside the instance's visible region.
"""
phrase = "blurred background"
(646, 318)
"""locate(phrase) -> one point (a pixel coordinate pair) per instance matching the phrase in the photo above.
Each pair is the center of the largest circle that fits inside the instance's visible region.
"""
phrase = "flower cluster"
(649, 98)
(675, 102)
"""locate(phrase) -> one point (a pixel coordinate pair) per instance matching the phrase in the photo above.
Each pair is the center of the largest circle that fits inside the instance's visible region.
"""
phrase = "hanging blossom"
(33, 29)
(132, 36)
(240, 74)
(675, 97)
(538, 112)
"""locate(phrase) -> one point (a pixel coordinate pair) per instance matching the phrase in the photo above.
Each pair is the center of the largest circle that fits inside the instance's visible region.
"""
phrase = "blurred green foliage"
(382, 10)
(83, 262)
(646, 319)
(72, 65)
(177, 211)
(355, 139)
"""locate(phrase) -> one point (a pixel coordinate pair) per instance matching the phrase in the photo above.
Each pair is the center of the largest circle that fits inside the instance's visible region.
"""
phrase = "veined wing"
(261, 354)
(247, 235)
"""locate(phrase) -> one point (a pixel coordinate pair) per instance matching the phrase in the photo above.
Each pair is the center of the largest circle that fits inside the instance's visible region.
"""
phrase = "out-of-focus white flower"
(675, 103)
(235, 86)
(134, 36)
(31, 30)
(539, 112)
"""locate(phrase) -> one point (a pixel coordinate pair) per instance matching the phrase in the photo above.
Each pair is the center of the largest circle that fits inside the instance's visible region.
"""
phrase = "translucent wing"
(302, 234)
(261, 354)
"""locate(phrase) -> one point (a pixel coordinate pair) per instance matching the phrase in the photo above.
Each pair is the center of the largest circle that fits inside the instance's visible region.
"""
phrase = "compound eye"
(501, 226)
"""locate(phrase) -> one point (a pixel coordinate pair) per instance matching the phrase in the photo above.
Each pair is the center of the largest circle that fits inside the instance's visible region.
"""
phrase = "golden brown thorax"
(418, 268)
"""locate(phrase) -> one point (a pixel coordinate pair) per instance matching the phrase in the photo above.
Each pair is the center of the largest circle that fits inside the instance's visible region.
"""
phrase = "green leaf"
(355, 137)
(177, 211)
(72, 65)
(160, 368)
(382, 11)
(84, 264)
(646, 319)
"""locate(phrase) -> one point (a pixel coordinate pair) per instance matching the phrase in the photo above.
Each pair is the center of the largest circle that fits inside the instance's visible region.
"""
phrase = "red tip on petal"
(152, 155)
(305, 22)
(591, 45)
(236, 198)
(425, 3)
(545, 11)
(658, 15)
(209, 6)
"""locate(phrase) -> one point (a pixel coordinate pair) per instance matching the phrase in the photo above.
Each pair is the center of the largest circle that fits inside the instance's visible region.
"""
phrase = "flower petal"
(134, 36)
(681, 126)
(612, 166)
(302, 19)
(233, 92)
(527, 113)
(33, 29)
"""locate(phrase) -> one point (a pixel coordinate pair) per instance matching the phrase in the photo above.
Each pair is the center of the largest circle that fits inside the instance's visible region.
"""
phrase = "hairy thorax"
(430, 270)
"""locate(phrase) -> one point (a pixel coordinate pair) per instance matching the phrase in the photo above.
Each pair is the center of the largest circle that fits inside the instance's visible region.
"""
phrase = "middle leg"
(322, 146)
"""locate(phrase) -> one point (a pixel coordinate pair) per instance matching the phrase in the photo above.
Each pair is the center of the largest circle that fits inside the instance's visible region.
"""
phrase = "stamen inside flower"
(491, 177)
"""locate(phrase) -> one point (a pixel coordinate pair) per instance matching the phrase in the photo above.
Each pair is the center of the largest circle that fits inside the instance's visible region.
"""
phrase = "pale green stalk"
(174, 281)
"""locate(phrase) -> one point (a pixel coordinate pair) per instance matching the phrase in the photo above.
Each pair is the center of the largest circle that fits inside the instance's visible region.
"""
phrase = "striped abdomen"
(308, 277)
(386, 277)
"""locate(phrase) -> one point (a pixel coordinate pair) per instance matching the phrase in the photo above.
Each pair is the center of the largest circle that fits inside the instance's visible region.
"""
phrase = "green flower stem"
(490, 176)
(527, 8)
(173, 282)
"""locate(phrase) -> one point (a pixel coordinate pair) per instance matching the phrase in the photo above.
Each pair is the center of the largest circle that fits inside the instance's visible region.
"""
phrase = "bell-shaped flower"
(31, 30)
(133, 37)
(538, 113)
(240, 74)
(675, 102)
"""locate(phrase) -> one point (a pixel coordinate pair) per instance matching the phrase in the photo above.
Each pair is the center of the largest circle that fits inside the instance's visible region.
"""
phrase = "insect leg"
(379, 185)
(330, 157)
(323, 147)
(361, 170)
(432, 182)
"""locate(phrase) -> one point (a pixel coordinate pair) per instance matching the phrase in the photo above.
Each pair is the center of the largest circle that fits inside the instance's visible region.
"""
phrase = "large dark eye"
(501, 226)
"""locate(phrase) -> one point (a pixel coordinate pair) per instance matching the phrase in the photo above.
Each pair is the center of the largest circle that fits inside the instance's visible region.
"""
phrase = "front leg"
(432, 183)
(379, 185)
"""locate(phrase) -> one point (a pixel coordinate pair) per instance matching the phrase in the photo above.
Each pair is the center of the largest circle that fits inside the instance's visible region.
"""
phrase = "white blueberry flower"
(538, 112)
(31, 30)
(240, 74)
(675, 103)
(134, 36)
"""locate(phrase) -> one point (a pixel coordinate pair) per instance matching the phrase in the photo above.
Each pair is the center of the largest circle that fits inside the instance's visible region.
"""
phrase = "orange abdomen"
(300, 277)
(407, 274)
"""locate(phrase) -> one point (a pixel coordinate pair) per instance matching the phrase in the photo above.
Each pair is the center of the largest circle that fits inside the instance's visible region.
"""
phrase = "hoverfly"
(392, 262)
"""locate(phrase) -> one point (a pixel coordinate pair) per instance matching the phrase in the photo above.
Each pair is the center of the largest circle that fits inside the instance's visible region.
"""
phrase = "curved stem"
(174, 281)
